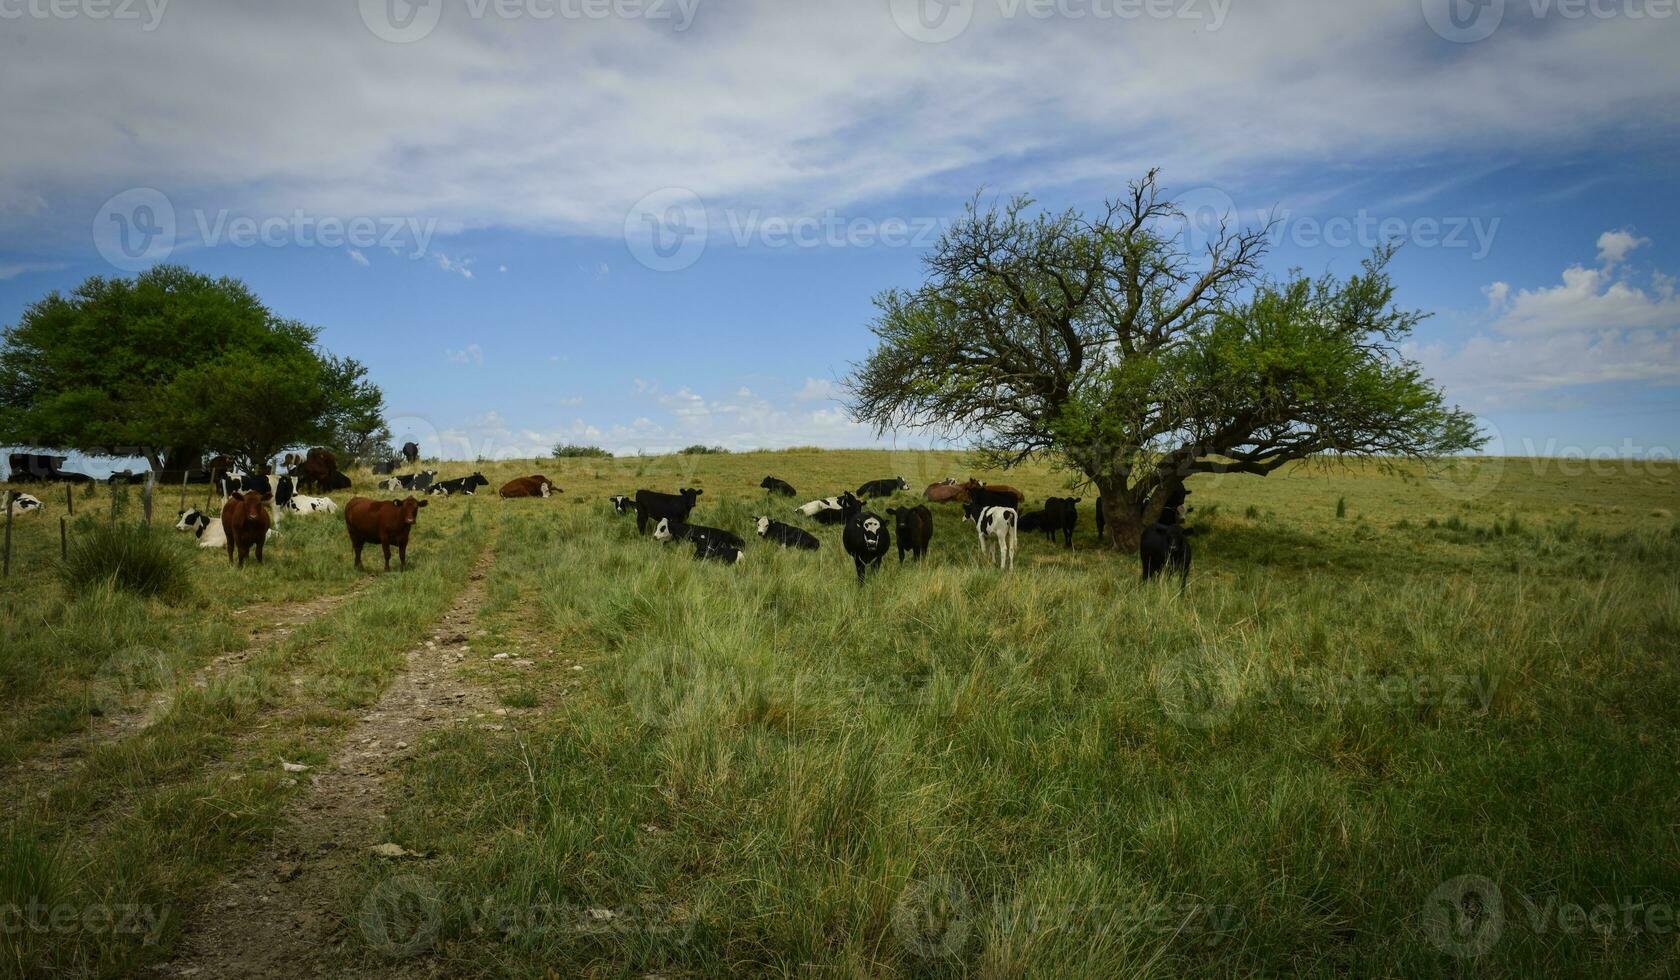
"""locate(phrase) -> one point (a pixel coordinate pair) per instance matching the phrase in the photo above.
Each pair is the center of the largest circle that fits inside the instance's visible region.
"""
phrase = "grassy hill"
(1433, 735)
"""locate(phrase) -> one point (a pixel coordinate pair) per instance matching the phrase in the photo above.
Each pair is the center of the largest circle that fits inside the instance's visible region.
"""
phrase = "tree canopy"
(173, 363)
(1102, 343)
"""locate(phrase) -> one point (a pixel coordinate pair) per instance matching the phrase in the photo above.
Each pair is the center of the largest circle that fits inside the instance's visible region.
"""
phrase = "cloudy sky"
(648, 223)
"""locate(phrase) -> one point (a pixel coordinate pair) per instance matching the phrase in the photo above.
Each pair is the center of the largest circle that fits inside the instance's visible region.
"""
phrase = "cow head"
(409, 508)
(689, 493)
(763, 524)
(188, 519)
(849, 504)
(903, 484)
(621, 504)
(248, 506)
(477, 480)
(871, 527)
(662, 530)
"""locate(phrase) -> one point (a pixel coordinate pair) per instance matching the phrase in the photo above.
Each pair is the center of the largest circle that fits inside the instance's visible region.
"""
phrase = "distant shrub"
(1341, 506)
(1252, 513)
(135, 558)
(698, 450)
(569, 451)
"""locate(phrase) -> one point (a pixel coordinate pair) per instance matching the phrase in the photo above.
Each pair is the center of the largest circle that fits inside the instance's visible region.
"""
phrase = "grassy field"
(1400, 724)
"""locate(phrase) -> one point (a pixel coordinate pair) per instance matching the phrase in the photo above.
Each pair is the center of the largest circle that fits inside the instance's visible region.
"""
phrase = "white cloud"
(461, 267)
(818, 389)
(22, 268)
(357, 257)
(501, 268)
(1613, 246)
(472, 354)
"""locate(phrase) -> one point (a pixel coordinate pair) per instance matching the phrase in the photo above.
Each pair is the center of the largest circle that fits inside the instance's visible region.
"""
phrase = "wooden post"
(113, 500)
(69, 500)
(6, 562)
(146, 494)
(63, 540)
(184, 475)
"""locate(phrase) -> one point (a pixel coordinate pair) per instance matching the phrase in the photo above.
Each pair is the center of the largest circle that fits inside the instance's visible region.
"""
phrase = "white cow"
(998, 523)
(304, 504)
(816, 507)
(23, 503)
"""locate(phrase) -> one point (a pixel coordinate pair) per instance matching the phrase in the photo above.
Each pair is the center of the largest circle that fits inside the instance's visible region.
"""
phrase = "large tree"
(162, 364)
(1105, 345)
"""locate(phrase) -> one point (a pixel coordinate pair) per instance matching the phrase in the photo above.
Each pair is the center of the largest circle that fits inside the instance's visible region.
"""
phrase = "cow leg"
(260, 547)
(641, 521)
(859, 562)
(402, 556)
(387, 550)
(230, 550)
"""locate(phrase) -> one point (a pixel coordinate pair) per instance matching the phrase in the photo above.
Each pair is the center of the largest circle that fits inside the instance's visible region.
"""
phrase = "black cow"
(385, 467)
(866, 539)
(232, 483)
(1165, 546)
(1173, 511)
(1033, 521)
(786, 535)
(1061, 514)
(849, 505)
(409, 481)
(1101, 520)
(706, 548)
(980, 498)
(673, 530)
(462, 484)
(335, 480)
(622, 505)
(782, 487)
(411, 452)
(883, 488)
(915, 530)
(651, 505)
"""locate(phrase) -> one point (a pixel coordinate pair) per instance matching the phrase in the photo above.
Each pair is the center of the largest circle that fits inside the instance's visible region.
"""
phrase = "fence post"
(69, 500)
(184, 475)
(113, 486)
(63, 540)
(6, 562)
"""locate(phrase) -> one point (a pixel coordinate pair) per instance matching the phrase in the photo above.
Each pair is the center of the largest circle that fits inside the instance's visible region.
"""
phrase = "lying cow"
(773, 485)
(787, 535)
(528, 486)
(915, 530)
(832, 510)
(883, 488)
(946, 490)
(246, 523)
(409, 481)
(387, 522)
(669, 530)
(1165, 547)
(462, 484)
(207, 529)
(23, 503)
(651, 506)
(705, 548)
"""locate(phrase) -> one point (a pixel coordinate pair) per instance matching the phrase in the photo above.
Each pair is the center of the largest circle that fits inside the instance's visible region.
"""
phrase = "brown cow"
(245, 522)
(530, 486)
(314, 471)
(385, 521)
(941, 492)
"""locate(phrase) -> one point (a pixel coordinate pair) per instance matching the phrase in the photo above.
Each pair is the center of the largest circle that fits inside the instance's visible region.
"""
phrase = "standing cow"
(245, 523)
(651, 506)
(1061, 514)
(866, 540)
(997, 523)
(915, 530)
(411, 452)
(386, 521)
(1165, 547)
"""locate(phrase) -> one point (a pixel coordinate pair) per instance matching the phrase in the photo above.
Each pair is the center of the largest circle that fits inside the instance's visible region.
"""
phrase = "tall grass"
(135, 558)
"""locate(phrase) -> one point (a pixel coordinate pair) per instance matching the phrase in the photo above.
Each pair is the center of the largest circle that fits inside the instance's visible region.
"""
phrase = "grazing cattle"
(705, 548)
(23, 503)
(883, 488)
(387, 522)
(948, 490)
(246, 523)
(671, 530)
(622, 505)
(462, 484)
(651, 505)
(866, 539)
(787, 535)
(1165, 546)
(773, 485)
(529, 486)
(998, 523)
(411, 452)
(1061, 514)
(1031, 521)
(915, 530)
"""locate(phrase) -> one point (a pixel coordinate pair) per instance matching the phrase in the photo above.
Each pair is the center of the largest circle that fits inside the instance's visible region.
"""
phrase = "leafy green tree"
(159, 364)
(1102, 344)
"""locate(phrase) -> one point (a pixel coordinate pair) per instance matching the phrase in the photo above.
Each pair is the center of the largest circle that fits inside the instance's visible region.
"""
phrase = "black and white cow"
(22, 504)
(652, 505)
(409, 481)
(773, 485)
(670, 530)
(1000, 524)
(286, 497)
(812, 508)
(462, 484)
(622, 505)
(883, 488)
(787, 535)
(834, 510)
(707, 549)
(206, 528)
(1165, 546)
(915, 530)
(867, 540)
(1061, 514)
(237, 482)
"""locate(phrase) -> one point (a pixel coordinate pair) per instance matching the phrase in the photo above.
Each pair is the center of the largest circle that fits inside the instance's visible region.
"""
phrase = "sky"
(644, 224)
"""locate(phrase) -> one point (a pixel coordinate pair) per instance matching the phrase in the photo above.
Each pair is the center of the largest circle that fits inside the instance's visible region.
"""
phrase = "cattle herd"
(252, 506)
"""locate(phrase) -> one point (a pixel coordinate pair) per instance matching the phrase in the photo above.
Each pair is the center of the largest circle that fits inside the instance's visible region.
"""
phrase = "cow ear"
(236, 495)
(420, 503)
(396, 503)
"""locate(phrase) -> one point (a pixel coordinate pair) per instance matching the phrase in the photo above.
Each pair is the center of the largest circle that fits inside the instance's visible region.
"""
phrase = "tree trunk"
(152, 458)
(1122, 516)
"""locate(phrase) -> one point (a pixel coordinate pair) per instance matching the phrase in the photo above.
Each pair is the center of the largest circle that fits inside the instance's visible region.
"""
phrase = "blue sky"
(464, 194)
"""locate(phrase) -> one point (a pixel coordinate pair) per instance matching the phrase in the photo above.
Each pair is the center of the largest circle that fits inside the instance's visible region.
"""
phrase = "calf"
(787, 535)
(1165, 546)
(844, 507)
(622, 505)
(246, 523)
(782, 487)
(384, 467)
(705, 548)
(669, 530)
(528, 486)
(385, 521)
(23, 503)
(651, 506)
(999, 524)
(1061, 514)
(915, 530)
(883, 488)
(462, 484)
(866, 540)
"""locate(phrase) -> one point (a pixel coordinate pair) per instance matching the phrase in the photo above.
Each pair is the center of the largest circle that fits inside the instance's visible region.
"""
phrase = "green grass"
(135, 558)
(765, 770)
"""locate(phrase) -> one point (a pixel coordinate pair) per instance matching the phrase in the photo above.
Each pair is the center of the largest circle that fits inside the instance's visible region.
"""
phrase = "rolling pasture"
(1399, 724)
